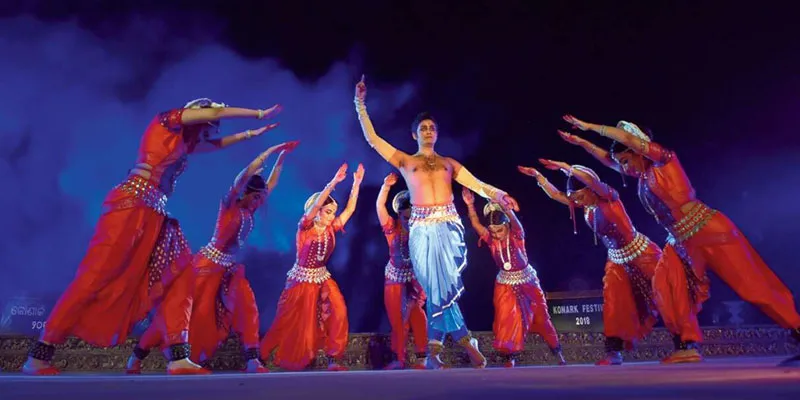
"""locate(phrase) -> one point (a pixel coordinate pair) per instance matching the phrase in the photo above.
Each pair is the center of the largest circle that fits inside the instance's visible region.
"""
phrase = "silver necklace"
(322, 244)
(506, 264)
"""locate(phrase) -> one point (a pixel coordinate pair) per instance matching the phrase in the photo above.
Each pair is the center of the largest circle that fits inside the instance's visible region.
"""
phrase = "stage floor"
(718, 379)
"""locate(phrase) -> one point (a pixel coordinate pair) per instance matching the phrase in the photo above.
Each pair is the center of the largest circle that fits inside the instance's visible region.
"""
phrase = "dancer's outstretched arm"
(469, 200)
(640, 143)
(308, 217)
(254, 168)
(389, 153)
(350, 208)
(549, 189)
(380, 203)
(583, 174)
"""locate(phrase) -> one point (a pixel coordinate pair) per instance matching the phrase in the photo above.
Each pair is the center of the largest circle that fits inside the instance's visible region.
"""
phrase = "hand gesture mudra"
(361, 89)
(576, 123)
(390, 179)
(358, 176)
(260, 131)
(341, 174)
(570, 138)
(466, 194)
(530, 171)
(289, 146)
(272, 111)
(509, 203)
(555, 165)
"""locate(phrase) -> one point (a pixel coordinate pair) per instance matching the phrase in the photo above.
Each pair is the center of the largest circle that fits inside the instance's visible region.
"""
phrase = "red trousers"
(720, 246)
(518, 310)
(310, 316)
(222, 302)
(405, 307)
(134, 254)
(628, 301)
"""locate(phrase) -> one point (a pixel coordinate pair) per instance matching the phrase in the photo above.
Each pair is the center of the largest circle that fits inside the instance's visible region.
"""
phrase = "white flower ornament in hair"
(633, 129)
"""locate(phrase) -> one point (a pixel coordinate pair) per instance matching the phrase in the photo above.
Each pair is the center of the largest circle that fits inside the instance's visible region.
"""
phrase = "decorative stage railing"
(371, 351)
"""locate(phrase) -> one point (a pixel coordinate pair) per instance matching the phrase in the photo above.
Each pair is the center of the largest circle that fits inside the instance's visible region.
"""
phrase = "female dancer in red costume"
(311, 310)
(402, 294)
(519, 302)
(699, 237)
(223, 299)
(629, 310)
(137, 250)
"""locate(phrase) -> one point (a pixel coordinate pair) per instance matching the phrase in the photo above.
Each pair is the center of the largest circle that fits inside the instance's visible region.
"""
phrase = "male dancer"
(436, 237)
(223, 298)
(699, 236)
(402, 293)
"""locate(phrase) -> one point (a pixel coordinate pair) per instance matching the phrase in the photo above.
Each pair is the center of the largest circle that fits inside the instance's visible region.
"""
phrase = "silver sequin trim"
(520, 277)
(144, 192)
(433, 214)
(216, 256)
(691, 223)
(398, 275)
(630, 251)
(308, 275)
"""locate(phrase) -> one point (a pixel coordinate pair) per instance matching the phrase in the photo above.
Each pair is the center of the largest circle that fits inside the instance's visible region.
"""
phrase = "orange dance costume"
(699, 237)
(311, 310)
(629, 309)
(403, 295)
(136, 252)
(223, 300)
(311, 313)
(520, 306)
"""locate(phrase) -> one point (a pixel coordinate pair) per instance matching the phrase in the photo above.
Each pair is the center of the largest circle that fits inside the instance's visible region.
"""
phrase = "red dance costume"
(136, 252)
(629, 309)
(520, 306)
(311, 312)
(223, 299)
(698, 237)
(404, 297)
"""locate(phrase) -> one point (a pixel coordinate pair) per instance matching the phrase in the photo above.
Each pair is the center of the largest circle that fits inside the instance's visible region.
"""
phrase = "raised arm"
(597, 152)
(469, 200)
(308, 216)
(465, 178)
(207, 146)
(380, 203)
(583, 174)
(516, 226)
(350, 208)
(389, 153)
(254, 168)
(636, 140)
(277, 168)
(217, 111)
(549, 189)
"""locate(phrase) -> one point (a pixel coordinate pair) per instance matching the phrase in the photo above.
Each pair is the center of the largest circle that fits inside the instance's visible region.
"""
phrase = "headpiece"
(573, 185)
(204, 102)
(617, 147)
(495, 214)
(256, 183)
(401, 201)
(313, 198)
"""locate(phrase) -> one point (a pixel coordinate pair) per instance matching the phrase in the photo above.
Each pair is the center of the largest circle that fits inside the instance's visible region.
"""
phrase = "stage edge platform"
(371, 351)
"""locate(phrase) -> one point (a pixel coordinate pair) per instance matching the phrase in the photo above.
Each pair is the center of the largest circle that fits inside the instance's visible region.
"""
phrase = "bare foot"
(255, 367)
(38, 367)
(185, 367)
